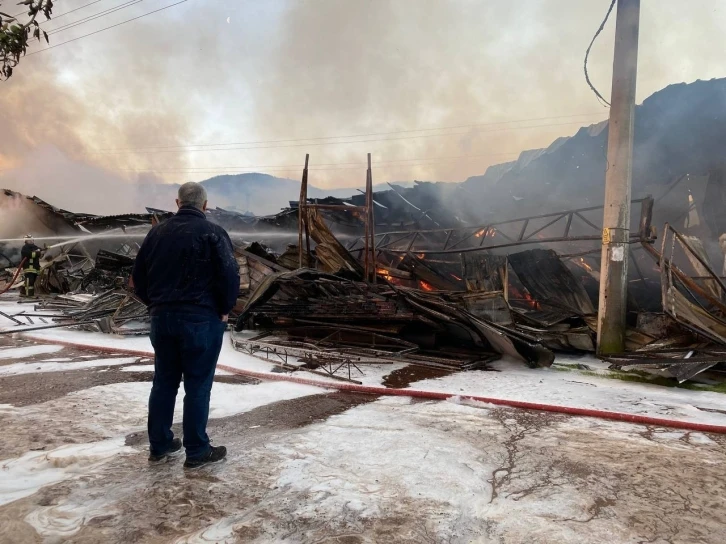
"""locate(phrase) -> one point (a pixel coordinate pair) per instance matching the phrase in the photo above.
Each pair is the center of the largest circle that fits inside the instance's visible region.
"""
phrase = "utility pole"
(618, 176)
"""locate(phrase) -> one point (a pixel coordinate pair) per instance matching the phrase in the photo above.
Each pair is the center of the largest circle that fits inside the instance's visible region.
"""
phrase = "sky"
(222, 86)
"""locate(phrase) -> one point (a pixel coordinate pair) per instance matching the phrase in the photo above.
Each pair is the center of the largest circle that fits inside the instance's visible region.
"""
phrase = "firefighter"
(31, 267)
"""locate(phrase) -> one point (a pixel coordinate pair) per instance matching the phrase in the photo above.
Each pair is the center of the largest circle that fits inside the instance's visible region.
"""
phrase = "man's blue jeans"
(185, 344)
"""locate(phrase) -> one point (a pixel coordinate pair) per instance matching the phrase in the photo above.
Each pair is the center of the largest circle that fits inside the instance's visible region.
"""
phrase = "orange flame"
(456, 277)
(584, 265)
(383, 272)
(426, 286)
(481, 233)
(525, 297)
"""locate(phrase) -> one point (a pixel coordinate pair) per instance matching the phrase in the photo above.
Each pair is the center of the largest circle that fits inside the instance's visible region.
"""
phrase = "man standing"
(186, 273)
(31, 266)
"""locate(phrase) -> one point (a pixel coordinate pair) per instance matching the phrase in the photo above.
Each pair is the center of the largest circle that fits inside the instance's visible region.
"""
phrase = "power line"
(55, 18)
(361, 135)
(107, 28)
(412, 162)
(587, 54)
(414, 159)
(93, 17)
(153, 151)
(74, 10)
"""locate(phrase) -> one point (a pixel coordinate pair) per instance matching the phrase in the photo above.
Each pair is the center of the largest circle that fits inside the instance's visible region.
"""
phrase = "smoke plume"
(94, 123)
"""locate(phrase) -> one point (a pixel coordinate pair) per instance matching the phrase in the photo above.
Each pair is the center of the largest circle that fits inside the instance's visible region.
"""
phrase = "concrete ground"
(310, 465)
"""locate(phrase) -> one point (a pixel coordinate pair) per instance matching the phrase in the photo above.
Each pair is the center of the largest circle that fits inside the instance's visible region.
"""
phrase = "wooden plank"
(254, 258)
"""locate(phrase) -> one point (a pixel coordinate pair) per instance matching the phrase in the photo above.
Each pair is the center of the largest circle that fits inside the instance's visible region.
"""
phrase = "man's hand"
(224, 318)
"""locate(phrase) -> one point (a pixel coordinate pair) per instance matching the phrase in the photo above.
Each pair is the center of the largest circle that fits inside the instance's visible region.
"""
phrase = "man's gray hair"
(192, 194)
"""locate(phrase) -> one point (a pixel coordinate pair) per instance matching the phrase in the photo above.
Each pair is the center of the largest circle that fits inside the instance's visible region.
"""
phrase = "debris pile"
(115, 311)
(453, 276)
(380, 320)
(453, 298)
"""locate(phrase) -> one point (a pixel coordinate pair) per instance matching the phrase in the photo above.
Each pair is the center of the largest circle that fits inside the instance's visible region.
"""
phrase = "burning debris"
(450, 294)
(310, 304)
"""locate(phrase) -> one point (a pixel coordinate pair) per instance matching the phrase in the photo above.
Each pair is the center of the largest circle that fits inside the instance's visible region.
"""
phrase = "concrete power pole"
(616, 220)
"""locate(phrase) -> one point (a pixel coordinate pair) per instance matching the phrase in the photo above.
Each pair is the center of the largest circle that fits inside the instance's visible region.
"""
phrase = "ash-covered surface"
(306, 465)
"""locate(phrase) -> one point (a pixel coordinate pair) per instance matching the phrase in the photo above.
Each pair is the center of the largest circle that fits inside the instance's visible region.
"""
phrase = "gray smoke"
(285, 69)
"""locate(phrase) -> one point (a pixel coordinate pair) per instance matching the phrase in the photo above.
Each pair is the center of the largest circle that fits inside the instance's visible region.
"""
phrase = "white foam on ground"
(57, 360)
(25, 475)
(138, 368)
(372, 454)
(572, 388)
(220, 532)
(95, 339)
(10, 307)
(113, 410)
(121, 408)
(65, 520)
(436, 460)
(33, 368)
(28, 351)
(230, 399)
(514, 382)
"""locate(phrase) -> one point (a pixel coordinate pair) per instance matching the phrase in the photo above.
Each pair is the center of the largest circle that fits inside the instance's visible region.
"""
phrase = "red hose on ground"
(17, 273)
(433, 395)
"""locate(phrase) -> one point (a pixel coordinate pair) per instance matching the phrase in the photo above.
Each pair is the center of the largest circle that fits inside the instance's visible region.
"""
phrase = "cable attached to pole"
(600, 97)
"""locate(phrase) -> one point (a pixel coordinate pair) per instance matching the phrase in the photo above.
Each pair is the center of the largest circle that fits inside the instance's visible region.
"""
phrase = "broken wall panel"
(484, 272)
(332, 255)
(549, 281)
(490, 306)
(698, 258)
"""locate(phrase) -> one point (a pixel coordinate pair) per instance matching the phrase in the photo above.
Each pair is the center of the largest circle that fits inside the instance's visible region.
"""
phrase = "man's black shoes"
(174, 450)
(214, 455)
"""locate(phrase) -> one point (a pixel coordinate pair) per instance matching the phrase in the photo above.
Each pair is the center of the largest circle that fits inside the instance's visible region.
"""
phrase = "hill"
(259, 193)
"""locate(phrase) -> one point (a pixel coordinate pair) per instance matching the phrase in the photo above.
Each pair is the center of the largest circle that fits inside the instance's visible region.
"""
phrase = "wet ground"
(403, 377)
(339, 468)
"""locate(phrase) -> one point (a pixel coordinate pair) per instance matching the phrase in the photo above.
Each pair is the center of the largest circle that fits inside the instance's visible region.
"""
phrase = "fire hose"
(431, 395)
(15, 277)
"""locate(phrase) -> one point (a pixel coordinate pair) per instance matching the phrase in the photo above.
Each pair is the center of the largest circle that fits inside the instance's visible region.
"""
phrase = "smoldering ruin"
(444, 275)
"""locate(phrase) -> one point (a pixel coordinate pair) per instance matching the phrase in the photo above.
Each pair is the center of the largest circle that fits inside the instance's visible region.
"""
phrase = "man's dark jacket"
(31, 254)
(187, 264)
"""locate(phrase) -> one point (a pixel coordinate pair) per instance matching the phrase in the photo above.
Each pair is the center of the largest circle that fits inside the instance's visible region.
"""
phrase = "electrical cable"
(74, 10)
(587, 54)
(494, 123)
(399, 138)
(280, 169)
(93, 17)
(106, 28)
(62, 14)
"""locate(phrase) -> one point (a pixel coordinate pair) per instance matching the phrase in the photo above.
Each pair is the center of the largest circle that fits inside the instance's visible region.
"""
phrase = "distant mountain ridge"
(678, 130)
(262, 194)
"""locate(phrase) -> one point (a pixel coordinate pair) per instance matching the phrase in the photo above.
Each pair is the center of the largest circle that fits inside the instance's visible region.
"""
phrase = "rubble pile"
(112, 312)
(452, 298)
(381, 320)
(455, 275)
